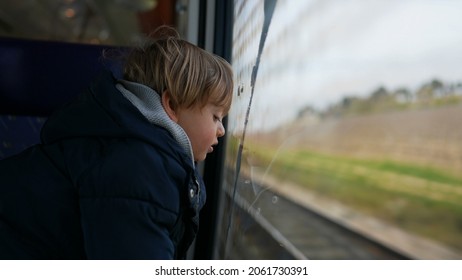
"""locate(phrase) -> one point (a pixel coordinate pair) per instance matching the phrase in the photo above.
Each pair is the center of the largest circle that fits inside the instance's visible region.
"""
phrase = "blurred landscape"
(395, 155)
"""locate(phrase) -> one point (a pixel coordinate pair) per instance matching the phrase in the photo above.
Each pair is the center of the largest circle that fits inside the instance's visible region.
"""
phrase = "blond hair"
(190, 74)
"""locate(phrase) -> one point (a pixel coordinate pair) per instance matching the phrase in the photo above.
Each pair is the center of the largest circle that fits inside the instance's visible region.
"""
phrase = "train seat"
(37, 77)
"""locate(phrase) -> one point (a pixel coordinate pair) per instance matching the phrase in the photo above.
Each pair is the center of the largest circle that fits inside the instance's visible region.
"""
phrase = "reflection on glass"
(355, 114)
(108, 22)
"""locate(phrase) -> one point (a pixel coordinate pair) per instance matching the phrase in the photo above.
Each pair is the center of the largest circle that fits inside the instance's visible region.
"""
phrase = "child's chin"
(200, 158)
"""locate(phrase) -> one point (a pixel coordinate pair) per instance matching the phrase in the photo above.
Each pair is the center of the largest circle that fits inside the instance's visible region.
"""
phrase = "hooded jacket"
(113, 178)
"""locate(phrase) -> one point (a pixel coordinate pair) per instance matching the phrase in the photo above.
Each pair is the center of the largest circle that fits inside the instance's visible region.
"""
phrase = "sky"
(319, 51)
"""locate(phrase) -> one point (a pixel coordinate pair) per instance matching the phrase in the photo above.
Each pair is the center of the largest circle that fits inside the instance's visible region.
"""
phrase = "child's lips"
(211, 147)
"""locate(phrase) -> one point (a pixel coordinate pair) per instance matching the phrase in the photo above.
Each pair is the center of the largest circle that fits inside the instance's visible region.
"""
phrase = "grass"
(424, 200)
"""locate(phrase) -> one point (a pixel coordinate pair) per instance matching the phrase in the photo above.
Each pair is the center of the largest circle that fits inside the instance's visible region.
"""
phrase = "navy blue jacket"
(104, 183)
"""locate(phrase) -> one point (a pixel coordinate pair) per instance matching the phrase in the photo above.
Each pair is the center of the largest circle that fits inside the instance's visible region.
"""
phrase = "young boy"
(115, 176)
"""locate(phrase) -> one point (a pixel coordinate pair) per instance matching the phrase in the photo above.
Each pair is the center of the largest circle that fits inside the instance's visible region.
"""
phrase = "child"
(115, 175)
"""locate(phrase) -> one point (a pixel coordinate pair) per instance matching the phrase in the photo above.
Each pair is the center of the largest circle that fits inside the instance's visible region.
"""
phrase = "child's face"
(203, 127)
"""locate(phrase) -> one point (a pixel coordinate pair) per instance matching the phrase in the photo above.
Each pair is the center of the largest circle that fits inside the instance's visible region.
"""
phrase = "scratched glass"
(351, 109)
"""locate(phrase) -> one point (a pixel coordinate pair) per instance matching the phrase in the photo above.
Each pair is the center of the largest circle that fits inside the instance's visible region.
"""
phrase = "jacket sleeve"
(122, 228)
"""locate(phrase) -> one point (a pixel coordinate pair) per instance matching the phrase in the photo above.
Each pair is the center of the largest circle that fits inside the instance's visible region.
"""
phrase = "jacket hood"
(103, 111)
(149, 103)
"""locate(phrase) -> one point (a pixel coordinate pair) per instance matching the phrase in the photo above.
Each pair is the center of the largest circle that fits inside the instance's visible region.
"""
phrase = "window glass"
(108, 22)
(351, 109)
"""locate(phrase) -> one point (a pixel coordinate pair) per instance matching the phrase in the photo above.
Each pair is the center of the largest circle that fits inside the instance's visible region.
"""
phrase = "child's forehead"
(212, 107)
(221, 100)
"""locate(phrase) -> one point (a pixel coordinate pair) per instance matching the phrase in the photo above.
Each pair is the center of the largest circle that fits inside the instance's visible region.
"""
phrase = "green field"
(423, 200)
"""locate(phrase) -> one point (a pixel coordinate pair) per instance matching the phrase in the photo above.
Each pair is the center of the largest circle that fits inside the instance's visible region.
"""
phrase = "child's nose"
(220, 130)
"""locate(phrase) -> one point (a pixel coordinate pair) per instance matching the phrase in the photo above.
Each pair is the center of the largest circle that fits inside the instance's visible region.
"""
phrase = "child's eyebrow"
(219, 108)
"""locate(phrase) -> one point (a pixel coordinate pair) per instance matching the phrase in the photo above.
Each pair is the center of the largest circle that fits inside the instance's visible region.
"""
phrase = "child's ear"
(167, 104)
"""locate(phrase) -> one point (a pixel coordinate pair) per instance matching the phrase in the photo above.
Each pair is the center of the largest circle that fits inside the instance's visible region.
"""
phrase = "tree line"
(431, 94)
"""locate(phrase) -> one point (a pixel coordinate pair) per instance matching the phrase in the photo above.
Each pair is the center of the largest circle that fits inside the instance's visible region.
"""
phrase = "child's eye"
(216, 118)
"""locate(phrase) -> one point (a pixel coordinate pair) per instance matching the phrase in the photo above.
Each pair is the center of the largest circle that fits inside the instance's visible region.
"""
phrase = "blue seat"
(36, 78)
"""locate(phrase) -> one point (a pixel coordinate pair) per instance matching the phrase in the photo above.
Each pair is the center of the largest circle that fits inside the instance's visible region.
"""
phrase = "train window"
(344, 139)
(106, 22)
